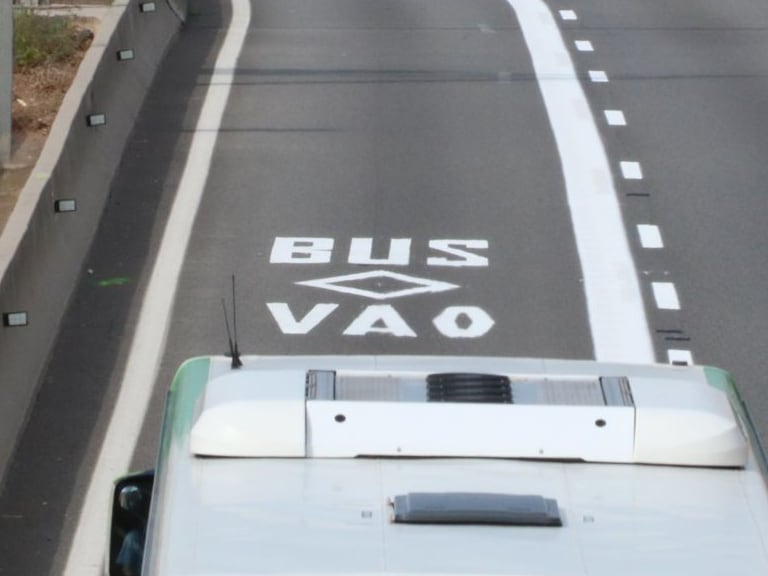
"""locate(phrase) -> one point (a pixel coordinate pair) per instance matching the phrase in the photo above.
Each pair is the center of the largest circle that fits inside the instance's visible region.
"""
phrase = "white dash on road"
(598, 76)
(680, 357)
(665, 295)
(584, 46)
(615, 118)
(650, 236)
(86, 555)
(568, 15)
(631, 170)
(615, 305)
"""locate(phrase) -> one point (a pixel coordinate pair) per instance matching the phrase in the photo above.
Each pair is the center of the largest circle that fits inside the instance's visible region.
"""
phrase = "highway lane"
(421, 124)
(44, 488)
(418, 120)
(692, 82)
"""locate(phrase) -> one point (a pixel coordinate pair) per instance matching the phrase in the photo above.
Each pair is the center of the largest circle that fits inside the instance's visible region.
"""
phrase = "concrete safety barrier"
(42, 250)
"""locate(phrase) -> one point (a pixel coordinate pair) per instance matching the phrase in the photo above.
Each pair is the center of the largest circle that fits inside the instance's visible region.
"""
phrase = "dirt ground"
(37, 95)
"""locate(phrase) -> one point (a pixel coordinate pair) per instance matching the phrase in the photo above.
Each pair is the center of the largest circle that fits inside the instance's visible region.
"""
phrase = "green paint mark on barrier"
(116, 281)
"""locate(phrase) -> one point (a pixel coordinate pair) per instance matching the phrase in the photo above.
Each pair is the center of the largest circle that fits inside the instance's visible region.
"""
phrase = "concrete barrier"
(42, 251)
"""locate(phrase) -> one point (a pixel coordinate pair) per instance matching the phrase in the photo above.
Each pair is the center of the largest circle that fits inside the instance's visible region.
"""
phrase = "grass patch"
(39, 39)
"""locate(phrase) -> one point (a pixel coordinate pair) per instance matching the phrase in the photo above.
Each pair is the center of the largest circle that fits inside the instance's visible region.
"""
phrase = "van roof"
(335, 513)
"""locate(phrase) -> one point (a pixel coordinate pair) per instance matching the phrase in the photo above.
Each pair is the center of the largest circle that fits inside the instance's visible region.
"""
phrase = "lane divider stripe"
(86, 554)
(680, 357)
(615, 118)
(614, 300)
(665, 295)
(650, 236)
(631, 170)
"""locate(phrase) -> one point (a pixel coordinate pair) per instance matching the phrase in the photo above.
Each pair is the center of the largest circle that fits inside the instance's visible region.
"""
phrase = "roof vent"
(459, 387)
(475, 508)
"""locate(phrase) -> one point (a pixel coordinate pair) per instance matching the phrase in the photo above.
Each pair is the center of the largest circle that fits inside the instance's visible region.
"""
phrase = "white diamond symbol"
(412, 285)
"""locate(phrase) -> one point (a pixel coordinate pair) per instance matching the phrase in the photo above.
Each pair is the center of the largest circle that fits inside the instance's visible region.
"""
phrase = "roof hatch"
(475, 508)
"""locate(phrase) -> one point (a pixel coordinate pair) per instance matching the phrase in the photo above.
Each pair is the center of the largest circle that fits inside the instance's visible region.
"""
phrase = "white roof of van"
(332, 517)
(328, 515)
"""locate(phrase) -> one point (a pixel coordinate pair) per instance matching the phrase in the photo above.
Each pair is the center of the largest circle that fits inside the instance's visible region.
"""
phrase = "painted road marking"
(290, 324)
(615, 118)
(650, 236)
(404, 285)
(598, 76)
(463, 322)
(631, 170)
(454, 253)
(680, 357)
(380, 284)
(453, 322)
(614, 299)
(301, 250)
(460, 252)
(86, 555)
(584, 46)
(361, 252)
(665, 295)
(116, 281)
(380, 319)
(568, 15)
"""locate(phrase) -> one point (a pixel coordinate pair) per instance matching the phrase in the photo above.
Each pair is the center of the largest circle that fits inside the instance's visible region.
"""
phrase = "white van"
(335, 465)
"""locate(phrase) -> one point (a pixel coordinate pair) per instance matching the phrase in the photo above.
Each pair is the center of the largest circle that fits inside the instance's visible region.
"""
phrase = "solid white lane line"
(665, 295)
(584, 46)
(614, 300)
(680, 357)
(568, 15)
(615, 118)
(598, 76)
(631, 170)
(650, 236)
(90, 540)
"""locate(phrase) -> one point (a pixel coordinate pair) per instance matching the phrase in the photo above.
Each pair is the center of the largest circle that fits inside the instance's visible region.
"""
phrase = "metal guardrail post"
(6, 79)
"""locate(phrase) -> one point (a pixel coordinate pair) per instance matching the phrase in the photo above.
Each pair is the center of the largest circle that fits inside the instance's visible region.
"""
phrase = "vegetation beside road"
(41, 39)
(47, 52)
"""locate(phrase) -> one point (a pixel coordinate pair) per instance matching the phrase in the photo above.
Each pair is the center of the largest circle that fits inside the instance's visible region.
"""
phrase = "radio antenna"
(233, 349)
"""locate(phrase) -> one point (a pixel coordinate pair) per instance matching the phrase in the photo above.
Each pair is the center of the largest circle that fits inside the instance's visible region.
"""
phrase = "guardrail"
(46, 239)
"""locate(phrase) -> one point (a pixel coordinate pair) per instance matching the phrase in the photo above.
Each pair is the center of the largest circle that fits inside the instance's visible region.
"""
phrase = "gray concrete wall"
(179, 7)
(42, 252)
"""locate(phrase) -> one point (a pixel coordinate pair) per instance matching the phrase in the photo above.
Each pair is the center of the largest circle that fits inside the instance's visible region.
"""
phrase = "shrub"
(39, 39)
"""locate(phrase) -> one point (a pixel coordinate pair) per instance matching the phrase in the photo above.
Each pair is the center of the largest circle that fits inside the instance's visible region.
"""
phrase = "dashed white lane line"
(614, 300)
(665, 295)
(631, 170)
(91, 536)
(680, 357)
(650, 236)
(615, 118)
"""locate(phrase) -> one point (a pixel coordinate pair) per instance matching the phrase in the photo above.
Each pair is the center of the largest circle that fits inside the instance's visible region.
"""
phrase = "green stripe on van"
(187, 388)
(722, 380)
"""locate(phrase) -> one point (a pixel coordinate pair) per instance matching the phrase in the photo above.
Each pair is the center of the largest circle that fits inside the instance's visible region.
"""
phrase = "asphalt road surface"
(407, 177)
